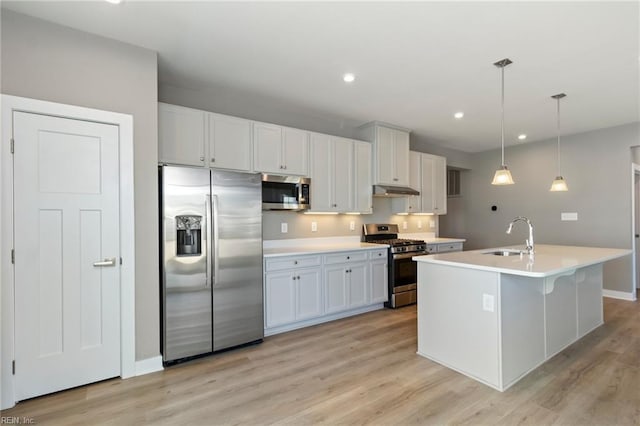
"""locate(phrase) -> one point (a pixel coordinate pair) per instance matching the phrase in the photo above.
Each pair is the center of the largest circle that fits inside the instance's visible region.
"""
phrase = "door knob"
(106, 262)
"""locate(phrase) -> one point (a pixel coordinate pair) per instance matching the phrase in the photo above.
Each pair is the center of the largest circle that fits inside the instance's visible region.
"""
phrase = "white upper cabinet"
(390, 153)
(331, 174)
(428, 175)
(434, 184)
(198, 138)
(280, 150)
(363, 202)
(295, 151)
(340, 171)
(411, 203)
(229, 142)
(181, 135)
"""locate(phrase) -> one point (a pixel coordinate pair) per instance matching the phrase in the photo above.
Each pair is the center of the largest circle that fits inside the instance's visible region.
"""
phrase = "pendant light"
(559, 184)
(502, 175)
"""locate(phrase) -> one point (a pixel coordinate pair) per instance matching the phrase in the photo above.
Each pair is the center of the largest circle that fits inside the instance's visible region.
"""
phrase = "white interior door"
(636, 188)
(67, 285)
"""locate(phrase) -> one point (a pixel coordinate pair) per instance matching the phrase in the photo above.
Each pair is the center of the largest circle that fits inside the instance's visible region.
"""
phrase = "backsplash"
(299, 224)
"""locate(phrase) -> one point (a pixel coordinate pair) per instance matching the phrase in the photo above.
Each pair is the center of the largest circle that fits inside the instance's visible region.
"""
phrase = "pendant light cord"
(502, 121)
(559, 174)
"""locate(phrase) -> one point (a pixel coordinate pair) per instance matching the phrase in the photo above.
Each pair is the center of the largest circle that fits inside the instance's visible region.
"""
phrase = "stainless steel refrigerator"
(211, 260)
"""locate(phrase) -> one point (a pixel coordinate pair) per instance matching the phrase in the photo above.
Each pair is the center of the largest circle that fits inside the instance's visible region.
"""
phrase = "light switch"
(404, 225)
(488, 303)
(569, 216)
(284, 227)
(432, 224)
(314, 226)
(419, 224)
(352, 226)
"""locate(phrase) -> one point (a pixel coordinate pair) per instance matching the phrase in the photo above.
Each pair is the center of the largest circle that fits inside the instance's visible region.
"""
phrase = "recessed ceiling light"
(348, 77)
(114, 1)
(459, 115)
(522, 137)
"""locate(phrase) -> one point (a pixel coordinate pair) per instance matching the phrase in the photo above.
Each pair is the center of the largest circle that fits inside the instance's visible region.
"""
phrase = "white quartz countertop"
(303, 246)
(444, 240)
(548, 259)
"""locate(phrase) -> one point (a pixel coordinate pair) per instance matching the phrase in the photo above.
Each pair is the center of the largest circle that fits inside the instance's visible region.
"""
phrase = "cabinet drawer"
(353, 256)
(444, 248)
(282, 263)
(432, 248)
(377, 254)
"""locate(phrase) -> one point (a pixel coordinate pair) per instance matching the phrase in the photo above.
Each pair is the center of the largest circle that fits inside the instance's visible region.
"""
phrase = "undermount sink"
(506, 252)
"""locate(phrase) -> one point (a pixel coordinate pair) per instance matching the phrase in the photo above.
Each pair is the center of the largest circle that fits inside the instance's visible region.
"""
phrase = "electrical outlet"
(352, 226)
(314, 226)
(284, 227)
(404, 225)
(569, 216)
(432, 224)
(488, 303)
(419, 224)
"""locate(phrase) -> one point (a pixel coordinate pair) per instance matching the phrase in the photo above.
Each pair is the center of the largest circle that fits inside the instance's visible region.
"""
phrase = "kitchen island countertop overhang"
(548, 259)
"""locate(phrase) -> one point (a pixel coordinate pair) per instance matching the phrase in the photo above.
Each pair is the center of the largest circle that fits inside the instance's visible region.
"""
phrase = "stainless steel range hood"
(393, 191)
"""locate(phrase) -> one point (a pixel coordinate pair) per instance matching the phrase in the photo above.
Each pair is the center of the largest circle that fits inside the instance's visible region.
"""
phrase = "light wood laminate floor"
(364, 370)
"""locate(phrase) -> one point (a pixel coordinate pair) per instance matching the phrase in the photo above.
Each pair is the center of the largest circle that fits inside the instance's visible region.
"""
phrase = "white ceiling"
(416, 63)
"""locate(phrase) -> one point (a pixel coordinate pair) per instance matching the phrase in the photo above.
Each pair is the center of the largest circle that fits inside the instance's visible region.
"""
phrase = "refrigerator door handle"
(216, 242)
(207, 207)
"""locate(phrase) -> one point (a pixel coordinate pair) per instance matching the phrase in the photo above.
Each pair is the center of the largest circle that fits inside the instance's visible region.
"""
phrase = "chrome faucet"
(529, 242)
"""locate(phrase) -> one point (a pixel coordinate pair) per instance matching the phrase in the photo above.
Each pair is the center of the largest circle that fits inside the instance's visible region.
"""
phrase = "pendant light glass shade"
(559, 184)
(502, 175)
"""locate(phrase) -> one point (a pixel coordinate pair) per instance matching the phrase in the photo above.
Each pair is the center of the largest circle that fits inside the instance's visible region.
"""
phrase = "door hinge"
(13, 256)
(13, 367)
(12, 145)
(121, 261)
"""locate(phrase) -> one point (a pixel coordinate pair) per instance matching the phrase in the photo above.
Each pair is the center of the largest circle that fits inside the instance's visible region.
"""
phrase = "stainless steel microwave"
(285, 192)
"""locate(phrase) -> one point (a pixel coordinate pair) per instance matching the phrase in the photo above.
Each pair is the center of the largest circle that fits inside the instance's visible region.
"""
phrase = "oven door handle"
(408, 255)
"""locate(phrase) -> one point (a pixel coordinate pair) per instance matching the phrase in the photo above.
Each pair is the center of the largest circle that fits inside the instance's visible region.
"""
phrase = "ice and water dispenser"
(189, 235)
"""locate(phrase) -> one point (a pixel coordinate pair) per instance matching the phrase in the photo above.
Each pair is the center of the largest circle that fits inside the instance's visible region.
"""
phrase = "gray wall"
(46, 61)
(597, 167)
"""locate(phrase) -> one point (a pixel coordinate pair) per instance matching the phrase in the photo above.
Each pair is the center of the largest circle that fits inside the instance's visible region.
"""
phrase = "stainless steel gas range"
(402, 270)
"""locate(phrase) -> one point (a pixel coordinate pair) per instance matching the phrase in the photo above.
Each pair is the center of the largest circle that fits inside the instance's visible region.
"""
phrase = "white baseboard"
(149, 365)
(614, 294)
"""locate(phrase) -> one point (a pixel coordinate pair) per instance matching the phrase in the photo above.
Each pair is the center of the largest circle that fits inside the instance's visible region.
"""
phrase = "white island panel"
(453, 328)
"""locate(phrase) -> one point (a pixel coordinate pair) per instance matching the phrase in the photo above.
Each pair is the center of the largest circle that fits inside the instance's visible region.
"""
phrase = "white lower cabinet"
(292, 296)
(308, 294)
(336, 285)
(378, 290)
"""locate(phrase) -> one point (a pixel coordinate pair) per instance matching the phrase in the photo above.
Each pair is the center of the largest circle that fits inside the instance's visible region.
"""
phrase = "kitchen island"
(496, 314)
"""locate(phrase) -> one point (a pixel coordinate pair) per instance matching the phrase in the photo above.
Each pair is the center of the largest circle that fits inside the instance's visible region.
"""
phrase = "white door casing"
(125, 273)
(66, 226)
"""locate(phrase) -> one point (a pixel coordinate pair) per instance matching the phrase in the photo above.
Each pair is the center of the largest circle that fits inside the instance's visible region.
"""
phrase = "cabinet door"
(411, 203)
(363, 202)
(439, 185)
(426, 193)
(385, 162)
(342, 175)
(181, 135)
(267, 148)
(320, 173)
(309, 296)
(229, 142)
(358, 283)
(280, 300)
(379, 277)
(335, 289)
(295, 152)
(401, 157)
